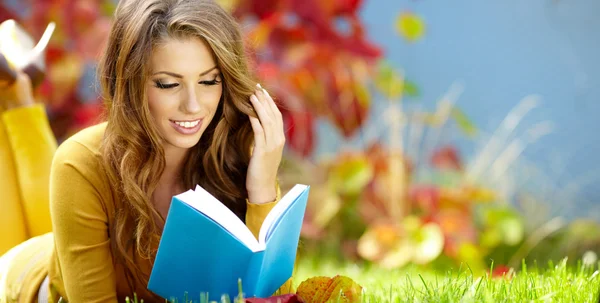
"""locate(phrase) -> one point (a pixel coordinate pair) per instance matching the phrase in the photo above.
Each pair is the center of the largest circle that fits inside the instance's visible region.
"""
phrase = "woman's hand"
(269, 140)
(17, 94)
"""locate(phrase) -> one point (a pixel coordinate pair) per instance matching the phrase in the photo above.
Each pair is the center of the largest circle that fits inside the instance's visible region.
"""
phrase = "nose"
(190, 103)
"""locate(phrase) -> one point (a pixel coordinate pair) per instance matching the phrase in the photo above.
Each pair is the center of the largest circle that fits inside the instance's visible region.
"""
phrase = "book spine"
(253, 274)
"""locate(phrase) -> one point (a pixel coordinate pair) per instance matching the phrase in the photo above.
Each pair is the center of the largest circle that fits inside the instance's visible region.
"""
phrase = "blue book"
(205, 248)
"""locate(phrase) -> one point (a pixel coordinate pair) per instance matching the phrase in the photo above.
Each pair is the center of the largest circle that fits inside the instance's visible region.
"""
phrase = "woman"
(182, 110)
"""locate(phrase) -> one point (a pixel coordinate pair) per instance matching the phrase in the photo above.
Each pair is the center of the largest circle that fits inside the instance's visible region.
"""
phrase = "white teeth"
(188, 124)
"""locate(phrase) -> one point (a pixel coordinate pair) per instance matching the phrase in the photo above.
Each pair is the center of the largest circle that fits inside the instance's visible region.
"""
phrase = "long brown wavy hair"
(132, 150)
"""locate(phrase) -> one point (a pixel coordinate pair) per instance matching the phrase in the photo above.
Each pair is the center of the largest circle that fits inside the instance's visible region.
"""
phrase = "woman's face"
(183, 91)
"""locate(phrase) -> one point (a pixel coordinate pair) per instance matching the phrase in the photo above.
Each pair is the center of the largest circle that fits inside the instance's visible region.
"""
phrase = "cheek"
(152, 102)
(213, 100)
(157, 104)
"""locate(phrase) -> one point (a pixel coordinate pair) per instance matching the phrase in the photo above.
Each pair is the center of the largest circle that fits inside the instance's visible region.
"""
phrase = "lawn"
(551, 283)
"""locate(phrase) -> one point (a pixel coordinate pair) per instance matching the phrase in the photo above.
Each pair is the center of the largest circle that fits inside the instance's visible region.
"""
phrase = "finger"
(262, 95)
(279, 132)
(265, 120)
(259, 136)
(276, 112)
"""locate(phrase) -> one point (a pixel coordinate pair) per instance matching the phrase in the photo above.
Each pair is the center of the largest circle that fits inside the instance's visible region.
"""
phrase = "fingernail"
(266, 92)
(258, 85)
(254, 98)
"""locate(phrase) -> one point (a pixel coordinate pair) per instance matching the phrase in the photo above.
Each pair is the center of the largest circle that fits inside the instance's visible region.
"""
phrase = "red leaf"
(260, 8)
(5, 14)
(500, 270)
(457, 227)
(87, 114)
(299, 131)
(426, 198)
(289, 298)
(446, 158)
(347, 102)
(346, 6)
(268, 72)
(320, 22)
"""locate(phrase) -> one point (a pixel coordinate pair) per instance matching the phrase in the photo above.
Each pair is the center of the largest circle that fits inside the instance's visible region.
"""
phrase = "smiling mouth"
(187, 124)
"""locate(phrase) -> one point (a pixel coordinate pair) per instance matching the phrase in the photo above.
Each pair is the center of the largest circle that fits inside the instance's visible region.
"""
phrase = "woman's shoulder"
(78, 165)
(89, 137)
(87, 140)
(82, 150)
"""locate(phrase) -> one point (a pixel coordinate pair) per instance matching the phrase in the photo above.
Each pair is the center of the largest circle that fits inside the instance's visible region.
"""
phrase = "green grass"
(552, 283)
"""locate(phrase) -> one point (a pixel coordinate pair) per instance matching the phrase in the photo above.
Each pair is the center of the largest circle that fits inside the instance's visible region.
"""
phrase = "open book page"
(277, 211)
(207, 204)
(17, 45)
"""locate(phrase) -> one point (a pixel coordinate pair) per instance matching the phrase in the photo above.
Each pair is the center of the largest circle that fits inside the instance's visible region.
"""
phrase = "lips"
(187, 127)
(187, 124)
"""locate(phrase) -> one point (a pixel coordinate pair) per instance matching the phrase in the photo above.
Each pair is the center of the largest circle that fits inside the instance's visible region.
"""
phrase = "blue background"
(501, 52)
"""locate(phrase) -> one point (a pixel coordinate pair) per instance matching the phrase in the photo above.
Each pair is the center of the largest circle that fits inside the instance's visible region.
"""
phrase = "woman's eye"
(165, 85)
(212, 82)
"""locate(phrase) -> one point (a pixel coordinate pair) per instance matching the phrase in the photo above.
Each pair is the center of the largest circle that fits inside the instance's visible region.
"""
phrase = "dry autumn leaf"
(309, 289)
(324, 289)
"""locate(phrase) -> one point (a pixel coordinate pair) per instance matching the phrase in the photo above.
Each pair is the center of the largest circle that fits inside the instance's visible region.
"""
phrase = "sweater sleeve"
(33, 145)
(80, 224)
(255, 216)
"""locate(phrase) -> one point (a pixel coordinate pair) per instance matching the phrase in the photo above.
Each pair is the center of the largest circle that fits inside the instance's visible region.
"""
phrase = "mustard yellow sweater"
(27, 145)
(76, 256)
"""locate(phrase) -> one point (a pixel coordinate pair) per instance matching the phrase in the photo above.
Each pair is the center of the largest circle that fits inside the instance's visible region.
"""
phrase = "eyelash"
(167, 86)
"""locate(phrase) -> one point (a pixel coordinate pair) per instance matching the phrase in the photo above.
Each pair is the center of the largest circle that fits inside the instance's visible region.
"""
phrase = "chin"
(181, 141)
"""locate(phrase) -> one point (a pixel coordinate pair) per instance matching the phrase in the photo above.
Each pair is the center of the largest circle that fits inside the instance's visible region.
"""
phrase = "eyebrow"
(180, 76)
